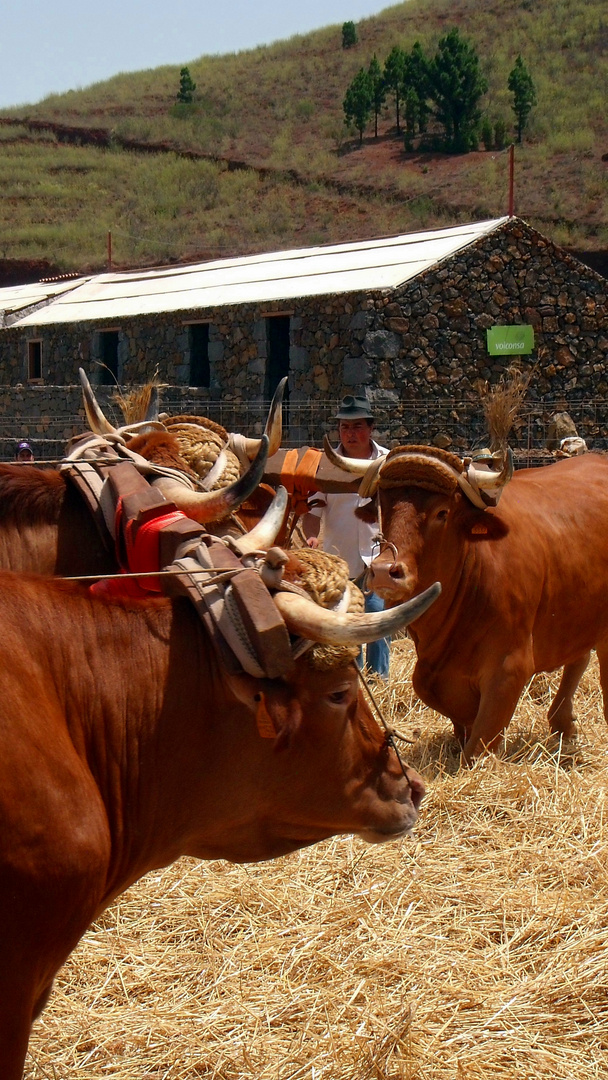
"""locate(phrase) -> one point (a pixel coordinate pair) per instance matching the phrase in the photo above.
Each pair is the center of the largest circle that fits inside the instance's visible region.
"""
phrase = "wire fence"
(457, 424)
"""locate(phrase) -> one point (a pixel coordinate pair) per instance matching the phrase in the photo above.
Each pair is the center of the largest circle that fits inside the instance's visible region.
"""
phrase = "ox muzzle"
(389, 576)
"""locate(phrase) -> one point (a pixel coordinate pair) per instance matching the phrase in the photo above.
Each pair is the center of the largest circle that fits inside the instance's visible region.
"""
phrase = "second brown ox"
(524, 582)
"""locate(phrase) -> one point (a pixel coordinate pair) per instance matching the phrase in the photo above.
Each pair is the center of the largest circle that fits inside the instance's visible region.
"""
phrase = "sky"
(50, 46)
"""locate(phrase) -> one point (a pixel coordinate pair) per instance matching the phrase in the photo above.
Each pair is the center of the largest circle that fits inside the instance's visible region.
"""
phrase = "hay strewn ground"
(476, 949)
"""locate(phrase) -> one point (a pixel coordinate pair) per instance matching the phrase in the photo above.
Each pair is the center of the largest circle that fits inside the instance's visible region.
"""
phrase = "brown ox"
(524, 584)
(124, 745)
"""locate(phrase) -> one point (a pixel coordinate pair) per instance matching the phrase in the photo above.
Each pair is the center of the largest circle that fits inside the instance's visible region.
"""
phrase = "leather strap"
(150, 534)
(298, 476)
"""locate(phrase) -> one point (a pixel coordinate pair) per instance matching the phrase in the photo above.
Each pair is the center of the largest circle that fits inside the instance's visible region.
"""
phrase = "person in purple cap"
(24, 452)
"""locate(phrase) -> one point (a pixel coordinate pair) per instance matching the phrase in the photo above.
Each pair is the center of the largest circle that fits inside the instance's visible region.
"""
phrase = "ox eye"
(338, 697)
(442, 515)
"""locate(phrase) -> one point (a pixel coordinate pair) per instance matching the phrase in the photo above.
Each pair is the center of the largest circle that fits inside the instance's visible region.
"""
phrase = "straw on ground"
(476, 949)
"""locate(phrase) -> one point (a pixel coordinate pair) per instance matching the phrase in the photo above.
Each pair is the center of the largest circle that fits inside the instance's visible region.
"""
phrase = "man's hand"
(311, 527)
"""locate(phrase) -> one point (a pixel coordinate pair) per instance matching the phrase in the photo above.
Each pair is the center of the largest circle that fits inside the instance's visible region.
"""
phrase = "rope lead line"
(390, 735)
(221, 572)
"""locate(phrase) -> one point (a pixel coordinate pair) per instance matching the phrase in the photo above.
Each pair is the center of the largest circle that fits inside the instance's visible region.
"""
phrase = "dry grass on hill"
(477, 949)
(280, 108)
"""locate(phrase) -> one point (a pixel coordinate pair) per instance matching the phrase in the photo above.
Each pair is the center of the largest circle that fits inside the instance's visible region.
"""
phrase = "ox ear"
(369, 511)
(276, 709)
(484, 526)
(278, 714)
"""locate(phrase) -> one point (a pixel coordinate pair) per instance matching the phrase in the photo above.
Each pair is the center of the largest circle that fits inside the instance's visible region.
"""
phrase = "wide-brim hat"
(354, 408)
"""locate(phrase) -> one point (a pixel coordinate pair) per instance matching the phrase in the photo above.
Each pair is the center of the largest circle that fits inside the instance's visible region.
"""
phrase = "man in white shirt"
(332, 524)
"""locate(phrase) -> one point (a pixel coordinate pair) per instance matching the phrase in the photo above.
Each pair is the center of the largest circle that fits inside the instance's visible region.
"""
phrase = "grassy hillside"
(276, 113)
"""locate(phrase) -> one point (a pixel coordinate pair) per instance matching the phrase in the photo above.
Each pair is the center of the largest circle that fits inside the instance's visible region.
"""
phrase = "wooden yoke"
(303, 472)
(242, 606)
(307, 470)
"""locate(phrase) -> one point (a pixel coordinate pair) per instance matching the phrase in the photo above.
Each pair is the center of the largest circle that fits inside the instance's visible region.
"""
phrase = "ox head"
(318, 754)
(426, 501)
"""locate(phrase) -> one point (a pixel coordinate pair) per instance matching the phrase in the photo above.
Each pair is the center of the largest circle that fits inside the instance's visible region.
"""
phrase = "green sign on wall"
(510, 340)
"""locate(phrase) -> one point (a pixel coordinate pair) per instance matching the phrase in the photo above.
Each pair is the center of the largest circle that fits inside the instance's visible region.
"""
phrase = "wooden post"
(109, 250)
(511, 180)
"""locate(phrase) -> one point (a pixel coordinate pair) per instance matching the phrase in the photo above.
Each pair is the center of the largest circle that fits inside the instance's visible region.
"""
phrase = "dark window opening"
(108, 354)
(277, 360)
(34, 359)
(198, 343)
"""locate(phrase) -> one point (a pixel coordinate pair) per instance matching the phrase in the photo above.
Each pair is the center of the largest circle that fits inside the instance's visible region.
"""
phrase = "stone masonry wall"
(419, 352)
(426, 342)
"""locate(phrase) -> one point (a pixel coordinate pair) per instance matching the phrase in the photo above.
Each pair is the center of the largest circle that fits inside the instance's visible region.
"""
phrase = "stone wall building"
(403, 319)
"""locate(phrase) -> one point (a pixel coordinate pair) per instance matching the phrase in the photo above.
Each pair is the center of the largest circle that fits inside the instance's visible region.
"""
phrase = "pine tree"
(378, 88)
(186, 87)
(524, 94)
(456, 86)
(417, 68)
(410, 101)
(394, 69)
(358, 102)
(349, 35)
(416, 84)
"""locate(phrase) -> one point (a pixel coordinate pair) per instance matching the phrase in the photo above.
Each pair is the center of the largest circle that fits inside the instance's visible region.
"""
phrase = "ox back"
(524, 590)
(124, 745)
(45, 526)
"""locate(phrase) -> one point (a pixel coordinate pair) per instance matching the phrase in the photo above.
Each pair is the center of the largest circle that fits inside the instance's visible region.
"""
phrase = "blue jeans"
(377, 653)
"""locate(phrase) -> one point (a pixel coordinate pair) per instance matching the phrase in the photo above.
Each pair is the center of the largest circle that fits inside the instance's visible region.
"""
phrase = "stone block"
(357, 370)
(385, 398)
(405, 370)
(398, 325)
(256, 367)
(358, 321)
(442, 440)
(382, 344)
(299, 358)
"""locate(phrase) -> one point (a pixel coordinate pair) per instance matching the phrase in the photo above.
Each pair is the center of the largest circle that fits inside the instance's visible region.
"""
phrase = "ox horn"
(307, 619)
(368, 469)
(264, 534)
(152, 410)
(489, 480)
(205, 506)
(95, 418)
(358, 466)
(248, 448)
(141, 427)
(98, 423)
(474, 481)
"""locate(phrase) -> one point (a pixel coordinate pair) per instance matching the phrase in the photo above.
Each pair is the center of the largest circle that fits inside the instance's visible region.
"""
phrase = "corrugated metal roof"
(15, 298)
(283, 275)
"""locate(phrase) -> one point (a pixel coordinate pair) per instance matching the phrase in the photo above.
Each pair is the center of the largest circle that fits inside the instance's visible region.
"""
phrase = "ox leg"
(460, 733)
(602, 655)
(496, 707)
(561, 711)
(16, 1014)
(42, 1001)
